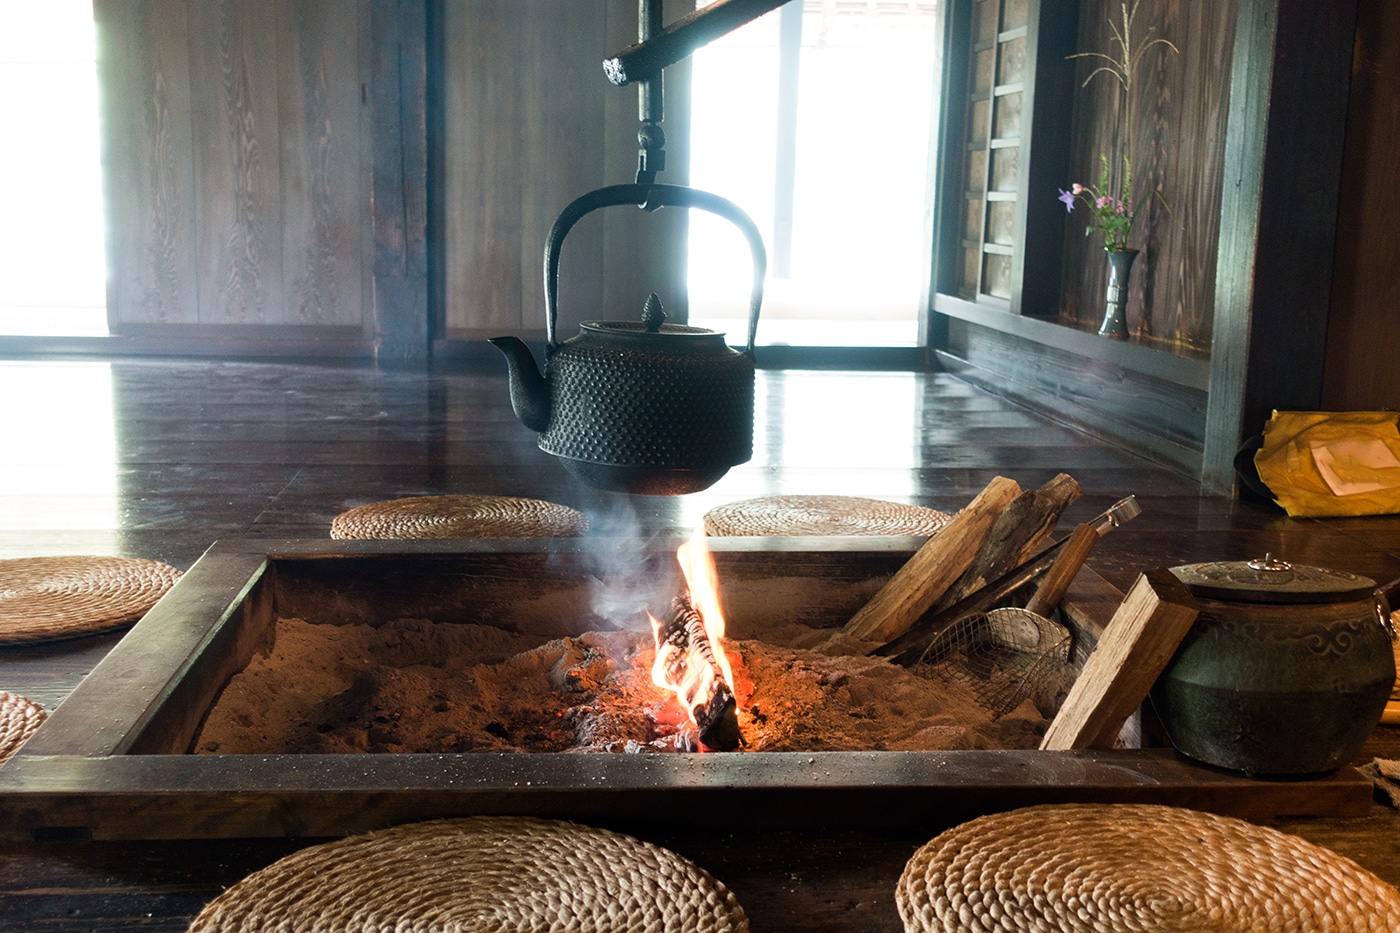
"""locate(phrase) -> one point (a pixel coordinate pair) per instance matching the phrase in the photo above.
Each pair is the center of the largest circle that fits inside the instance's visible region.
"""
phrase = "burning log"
(686, 662)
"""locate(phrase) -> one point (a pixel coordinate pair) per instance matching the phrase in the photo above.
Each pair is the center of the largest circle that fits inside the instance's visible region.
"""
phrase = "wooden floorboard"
(160, 458)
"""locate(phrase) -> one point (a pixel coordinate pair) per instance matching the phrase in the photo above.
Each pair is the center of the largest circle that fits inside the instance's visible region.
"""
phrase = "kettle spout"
(529, 391)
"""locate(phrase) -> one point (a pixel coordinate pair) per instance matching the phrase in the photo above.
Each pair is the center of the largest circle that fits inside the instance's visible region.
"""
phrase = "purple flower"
(1068, 200)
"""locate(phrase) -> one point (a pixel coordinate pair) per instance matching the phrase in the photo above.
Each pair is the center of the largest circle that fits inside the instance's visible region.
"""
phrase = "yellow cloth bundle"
(1331, 464)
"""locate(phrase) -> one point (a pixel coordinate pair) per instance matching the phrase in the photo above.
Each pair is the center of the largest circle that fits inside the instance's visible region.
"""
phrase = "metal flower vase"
(1115, 315)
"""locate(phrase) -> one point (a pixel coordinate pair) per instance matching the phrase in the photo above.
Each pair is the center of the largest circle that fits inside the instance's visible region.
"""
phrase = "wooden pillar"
(1283, 157)
(1366, 277)
(398, 93)
(1049, 93)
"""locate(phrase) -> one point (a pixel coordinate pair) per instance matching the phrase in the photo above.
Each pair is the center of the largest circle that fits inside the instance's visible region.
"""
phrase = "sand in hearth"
(410, 685)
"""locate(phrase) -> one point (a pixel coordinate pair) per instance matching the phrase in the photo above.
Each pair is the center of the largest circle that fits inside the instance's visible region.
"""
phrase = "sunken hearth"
(499, 678)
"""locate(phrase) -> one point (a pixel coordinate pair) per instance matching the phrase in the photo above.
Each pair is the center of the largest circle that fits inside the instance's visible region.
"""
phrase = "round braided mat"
(1091, 867)
(478, 874)
(460, 517)
(19, 717)
(822, 515)
(48, 598)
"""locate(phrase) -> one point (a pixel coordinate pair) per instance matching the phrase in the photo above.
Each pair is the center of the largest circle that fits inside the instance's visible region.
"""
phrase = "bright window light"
(52, 265)
(843, 208)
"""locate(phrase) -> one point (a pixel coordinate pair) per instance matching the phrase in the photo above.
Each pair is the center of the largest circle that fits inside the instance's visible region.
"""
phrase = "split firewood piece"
(1018, 532)
(1135, 647)
(926, 576)
(687, 658)
(1055, 583)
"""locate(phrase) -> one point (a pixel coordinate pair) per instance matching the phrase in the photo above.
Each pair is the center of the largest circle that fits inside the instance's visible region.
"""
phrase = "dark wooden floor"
(159, 459)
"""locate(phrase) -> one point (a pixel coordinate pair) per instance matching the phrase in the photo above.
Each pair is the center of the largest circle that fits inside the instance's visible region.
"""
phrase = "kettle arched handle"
(649, 198)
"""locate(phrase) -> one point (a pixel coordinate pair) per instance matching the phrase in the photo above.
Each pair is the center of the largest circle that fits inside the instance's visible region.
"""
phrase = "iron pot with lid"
(1285, 671)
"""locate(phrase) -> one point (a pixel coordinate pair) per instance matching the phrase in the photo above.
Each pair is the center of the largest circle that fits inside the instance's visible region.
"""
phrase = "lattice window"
(992, 169)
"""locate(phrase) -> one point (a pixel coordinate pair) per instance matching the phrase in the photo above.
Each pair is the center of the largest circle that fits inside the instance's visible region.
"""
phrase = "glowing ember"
(690, 658)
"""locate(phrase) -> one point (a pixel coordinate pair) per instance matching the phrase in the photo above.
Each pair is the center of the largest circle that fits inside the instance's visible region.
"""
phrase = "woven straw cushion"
(822, 515)
(460, 517)
(48, 598)
(478, 874)
(19, 717)
(1129, 867)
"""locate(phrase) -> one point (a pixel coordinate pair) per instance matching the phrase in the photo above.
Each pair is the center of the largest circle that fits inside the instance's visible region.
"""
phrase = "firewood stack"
(999, 529)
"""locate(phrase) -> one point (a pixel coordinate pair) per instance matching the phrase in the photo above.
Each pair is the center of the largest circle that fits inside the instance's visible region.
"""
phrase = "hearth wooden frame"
(111, 762)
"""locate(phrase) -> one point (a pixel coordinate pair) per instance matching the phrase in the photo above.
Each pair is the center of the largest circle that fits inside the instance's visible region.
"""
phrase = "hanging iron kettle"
(640, 406)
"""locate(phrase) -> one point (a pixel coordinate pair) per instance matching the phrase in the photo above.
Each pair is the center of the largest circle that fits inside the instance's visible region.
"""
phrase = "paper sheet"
(1349, 467)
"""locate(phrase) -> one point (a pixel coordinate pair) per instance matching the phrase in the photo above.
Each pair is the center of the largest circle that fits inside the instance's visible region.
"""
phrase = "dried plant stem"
(1123, 70)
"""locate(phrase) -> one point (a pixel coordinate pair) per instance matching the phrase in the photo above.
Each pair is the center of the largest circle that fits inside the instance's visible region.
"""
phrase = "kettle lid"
(1270, 580)
(631, 328)
(653, 323)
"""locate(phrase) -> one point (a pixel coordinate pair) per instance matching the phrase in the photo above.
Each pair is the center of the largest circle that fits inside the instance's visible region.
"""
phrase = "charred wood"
(683, 643)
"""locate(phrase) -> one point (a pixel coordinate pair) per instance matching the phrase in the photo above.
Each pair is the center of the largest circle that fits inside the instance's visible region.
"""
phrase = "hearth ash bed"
(418, 686)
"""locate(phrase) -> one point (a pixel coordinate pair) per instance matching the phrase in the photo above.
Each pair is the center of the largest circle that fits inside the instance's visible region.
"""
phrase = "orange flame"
(697, 673)
(702, 578)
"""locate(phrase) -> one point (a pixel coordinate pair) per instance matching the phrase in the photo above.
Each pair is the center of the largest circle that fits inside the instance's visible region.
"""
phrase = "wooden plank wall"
(530, 124)
(1365, 312)
(235, 143)
(1160, 418)
(148, 146)
(1181, 102)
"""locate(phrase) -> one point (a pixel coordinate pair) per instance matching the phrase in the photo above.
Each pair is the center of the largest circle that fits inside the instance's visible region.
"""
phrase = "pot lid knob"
(1269, 563)
(653, 315)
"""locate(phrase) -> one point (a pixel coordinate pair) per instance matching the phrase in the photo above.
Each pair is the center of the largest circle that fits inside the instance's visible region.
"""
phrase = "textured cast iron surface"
(643, 406)
(643, 480)
(1271, 733)
(675, 399)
